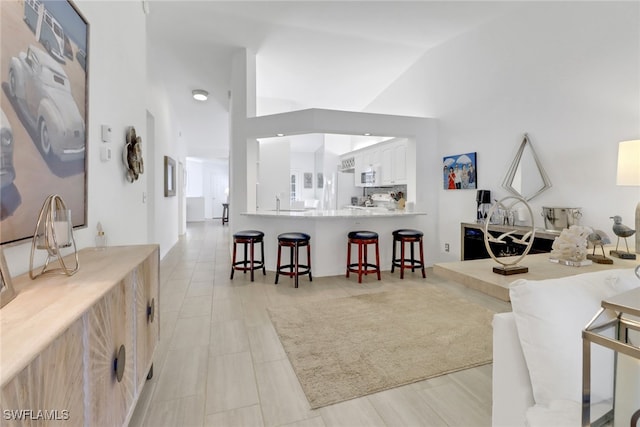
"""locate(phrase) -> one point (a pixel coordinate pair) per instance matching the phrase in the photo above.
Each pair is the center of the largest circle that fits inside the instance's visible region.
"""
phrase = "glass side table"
(622, 314)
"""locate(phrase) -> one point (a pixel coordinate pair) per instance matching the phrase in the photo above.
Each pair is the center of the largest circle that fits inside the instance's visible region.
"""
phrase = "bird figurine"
(524, 240)
(598, 238)
(500, 238)
(621, 230)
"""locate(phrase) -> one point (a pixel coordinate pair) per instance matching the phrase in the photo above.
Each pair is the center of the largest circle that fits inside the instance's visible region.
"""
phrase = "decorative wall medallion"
(132, 155)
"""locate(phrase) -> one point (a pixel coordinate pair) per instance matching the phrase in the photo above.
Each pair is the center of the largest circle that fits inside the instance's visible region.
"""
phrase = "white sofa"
(537, 349)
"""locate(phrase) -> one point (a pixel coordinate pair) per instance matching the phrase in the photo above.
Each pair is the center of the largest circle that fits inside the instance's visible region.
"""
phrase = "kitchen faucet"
(277, 202)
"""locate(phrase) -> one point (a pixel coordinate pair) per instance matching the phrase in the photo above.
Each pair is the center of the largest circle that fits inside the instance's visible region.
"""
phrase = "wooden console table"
(79, 349)
(477, 274)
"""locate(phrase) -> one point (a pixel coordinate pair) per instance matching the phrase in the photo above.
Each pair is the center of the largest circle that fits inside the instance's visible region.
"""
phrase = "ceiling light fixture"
(279, 134)
(200, 95)
(367, 134)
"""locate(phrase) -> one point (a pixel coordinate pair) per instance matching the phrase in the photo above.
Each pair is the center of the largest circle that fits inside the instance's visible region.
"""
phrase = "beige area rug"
(349, 347)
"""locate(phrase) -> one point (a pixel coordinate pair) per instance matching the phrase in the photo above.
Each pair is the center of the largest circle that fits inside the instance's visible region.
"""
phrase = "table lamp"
(629, 174)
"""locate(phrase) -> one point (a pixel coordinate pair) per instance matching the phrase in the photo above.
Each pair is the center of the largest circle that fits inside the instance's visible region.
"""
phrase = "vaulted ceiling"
(309, 54)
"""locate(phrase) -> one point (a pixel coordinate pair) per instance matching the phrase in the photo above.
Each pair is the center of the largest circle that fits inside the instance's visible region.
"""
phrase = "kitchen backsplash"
(369, 191)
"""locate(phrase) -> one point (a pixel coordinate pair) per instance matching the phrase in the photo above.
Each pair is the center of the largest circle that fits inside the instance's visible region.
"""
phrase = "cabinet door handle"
(151, 310)
(119, 363)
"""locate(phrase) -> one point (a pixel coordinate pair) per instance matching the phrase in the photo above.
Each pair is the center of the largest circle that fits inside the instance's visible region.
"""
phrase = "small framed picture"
(6, 288)
(308, 180)
(320, 180)
(459, 172)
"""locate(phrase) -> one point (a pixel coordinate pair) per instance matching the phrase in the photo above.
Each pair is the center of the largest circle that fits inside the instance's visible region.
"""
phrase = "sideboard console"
(472, 245)
(79, 349)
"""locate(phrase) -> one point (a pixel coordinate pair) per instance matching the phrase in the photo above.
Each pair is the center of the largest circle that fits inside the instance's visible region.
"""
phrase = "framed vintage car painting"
(44, 60)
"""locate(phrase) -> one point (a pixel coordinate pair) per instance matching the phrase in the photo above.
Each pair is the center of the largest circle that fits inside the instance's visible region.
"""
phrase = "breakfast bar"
(328, 230)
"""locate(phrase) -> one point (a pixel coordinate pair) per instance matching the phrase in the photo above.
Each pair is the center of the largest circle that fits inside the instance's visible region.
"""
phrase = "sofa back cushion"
(550, 316)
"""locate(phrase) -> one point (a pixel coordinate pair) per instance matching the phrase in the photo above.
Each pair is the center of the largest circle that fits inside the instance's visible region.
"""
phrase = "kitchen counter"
(329, 238)
(338, 213)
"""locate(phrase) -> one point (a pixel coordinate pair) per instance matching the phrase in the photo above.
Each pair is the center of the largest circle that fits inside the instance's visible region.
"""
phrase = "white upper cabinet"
(394, 163)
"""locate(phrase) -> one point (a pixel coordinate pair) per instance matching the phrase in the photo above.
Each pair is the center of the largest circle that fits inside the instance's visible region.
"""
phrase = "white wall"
(301, 163)
(566, 73)
(195, 178)
(273, 178)
(168, 142)
(115, 99)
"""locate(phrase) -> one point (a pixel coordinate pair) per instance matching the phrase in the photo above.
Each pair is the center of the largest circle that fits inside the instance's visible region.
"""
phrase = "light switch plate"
(105, 154)
(106, 133)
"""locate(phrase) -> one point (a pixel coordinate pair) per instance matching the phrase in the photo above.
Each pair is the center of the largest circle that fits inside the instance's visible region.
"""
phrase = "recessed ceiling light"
(279, 134)
(200, 95)
(367, 134)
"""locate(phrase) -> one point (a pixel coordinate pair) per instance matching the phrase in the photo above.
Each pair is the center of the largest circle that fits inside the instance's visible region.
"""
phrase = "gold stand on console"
(54, 230)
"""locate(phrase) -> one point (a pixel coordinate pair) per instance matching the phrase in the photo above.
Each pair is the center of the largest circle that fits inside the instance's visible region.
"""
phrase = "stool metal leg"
(252, 253)
(360, 262)
(413, 257)
(378, 259)
(233, 260)
(297, 268)
(264, 269)
(424, 275)
(402, 259)
(309, 260)
(393, 255)
(348, 256)
(278, 263)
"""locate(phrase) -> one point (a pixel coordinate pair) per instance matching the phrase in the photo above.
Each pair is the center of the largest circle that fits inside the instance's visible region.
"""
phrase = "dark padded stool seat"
(408, 236)
(294, 241)
(248, 238)
(363, 266)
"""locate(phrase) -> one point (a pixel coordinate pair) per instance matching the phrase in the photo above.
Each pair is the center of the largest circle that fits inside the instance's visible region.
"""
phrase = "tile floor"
(220, 363)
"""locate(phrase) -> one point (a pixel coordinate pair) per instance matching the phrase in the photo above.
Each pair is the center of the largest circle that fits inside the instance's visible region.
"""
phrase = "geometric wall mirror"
(526, 177)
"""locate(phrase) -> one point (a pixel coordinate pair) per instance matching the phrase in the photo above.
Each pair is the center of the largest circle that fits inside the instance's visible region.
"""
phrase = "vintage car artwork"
(41, 92)
(47, 28)
(7, 171)
(81, 56)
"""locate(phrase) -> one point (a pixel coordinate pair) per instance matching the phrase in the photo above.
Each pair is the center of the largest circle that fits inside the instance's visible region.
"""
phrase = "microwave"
(368, 178)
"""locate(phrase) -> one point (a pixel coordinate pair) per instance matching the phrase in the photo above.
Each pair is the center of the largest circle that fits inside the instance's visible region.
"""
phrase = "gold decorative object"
(54, 230)
(509, 265)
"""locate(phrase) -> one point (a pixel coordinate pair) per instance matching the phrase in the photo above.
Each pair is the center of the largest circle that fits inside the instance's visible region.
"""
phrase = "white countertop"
(339, 213)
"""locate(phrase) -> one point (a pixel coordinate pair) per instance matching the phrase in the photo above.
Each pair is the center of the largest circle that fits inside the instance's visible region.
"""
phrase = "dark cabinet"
(472, 245)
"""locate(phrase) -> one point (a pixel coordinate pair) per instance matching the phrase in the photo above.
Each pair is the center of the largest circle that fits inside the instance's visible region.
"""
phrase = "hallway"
(220, 362)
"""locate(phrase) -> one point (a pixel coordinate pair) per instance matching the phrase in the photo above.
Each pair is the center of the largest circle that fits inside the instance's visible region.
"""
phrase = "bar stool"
(225, 213)
(248, 238)
(294, 241)
(407, 236)
(362, 239)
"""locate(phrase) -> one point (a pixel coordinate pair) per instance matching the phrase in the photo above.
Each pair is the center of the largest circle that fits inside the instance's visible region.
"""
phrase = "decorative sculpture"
(570, 248)
(132, 155)
(598, 238)
(54, 230)
(509, 265)
(621, 230)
